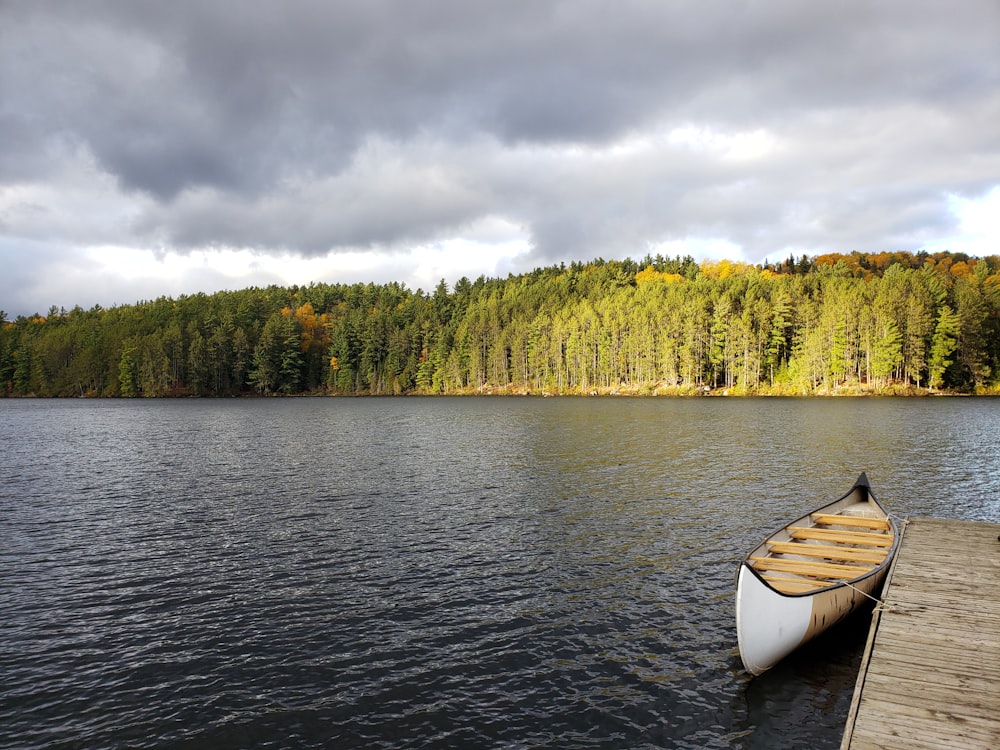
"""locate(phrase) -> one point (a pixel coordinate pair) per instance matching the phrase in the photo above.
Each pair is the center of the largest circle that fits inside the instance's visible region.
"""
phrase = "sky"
(153, 149)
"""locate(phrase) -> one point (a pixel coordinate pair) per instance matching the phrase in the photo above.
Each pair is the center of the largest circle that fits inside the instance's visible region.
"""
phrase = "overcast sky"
(152, 148)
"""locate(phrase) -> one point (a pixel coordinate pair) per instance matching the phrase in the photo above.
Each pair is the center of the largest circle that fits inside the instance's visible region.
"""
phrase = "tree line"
(857, 323)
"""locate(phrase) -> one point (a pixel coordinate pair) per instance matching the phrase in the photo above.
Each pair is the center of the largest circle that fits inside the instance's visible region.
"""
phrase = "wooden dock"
(930, 675)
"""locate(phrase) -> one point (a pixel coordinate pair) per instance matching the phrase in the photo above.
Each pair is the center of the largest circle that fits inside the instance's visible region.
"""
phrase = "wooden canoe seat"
(864, 538)
(810, 568)
(829, 552)
(828, 519)
(793, 585)
(789, 579)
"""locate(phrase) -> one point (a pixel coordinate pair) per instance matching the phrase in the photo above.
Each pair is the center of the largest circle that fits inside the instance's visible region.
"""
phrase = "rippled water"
(387, 573)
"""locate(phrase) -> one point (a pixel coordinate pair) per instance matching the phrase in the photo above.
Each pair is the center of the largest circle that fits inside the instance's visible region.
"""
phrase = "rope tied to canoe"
(880, 604)
(902, 521)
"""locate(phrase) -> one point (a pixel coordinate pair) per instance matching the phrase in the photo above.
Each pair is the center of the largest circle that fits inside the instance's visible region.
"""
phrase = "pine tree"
(943, 346)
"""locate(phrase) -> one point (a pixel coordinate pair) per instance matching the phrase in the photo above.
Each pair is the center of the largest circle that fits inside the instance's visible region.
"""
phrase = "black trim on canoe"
(861, 483)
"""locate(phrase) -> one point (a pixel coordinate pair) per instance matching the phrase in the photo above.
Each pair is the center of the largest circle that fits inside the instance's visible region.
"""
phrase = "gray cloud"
(603, 129)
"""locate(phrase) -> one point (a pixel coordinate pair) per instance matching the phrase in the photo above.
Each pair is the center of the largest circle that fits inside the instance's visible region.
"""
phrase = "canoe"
(811, 574)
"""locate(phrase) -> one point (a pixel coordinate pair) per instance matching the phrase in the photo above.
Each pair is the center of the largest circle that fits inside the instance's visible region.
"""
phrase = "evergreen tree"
(128, 373)
(943, 346)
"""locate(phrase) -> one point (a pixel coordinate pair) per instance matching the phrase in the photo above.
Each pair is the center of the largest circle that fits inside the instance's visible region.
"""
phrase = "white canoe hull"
(772, 623)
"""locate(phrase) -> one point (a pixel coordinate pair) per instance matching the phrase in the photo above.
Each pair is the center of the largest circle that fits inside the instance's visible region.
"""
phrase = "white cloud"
(737, 146)
(714, 248)
(978, 225)
(490, 246)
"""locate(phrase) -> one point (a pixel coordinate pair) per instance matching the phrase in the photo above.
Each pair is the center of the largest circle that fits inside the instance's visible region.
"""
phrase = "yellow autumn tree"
(313, 326)
(723, 269)
(650, 274)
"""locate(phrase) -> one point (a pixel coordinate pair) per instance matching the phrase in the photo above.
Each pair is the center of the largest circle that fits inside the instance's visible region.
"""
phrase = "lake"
(435, 572)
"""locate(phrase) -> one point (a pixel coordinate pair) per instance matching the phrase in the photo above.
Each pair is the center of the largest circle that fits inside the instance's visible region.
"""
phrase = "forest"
(886, 323)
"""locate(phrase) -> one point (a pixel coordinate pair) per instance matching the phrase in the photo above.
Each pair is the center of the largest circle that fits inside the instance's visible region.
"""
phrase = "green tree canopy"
(857, 322)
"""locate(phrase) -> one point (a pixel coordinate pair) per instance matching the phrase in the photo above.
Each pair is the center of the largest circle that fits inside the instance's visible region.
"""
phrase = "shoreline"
(619, 392)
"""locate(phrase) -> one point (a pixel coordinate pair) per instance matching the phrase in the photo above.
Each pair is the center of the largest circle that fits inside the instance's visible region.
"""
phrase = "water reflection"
(804, 700)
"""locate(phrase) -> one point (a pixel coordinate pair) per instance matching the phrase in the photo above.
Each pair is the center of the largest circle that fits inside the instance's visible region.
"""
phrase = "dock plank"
(930, 675)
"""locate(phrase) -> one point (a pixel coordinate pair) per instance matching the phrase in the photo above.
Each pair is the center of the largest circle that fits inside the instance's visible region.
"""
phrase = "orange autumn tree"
(315, 336)
(314, 328)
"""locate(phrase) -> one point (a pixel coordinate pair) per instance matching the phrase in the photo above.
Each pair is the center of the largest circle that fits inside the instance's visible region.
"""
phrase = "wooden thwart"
(808, 583)
(793, 585)
(858, 521)
(863, 538)
(809, 568)
(829, 552)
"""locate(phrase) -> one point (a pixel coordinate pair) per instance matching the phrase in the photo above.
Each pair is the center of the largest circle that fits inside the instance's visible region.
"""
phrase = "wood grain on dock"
(930, 675)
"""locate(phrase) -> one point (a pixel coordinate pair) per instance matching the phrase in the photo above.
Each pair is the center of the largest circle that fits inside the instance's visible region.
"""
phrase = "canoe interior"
(843, 542)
